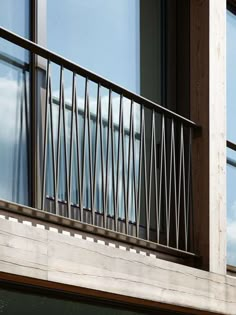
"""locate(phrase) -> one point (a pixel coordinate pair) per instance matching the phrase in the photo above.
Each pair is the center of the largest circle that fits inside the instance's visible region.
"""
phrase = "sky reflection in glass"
(14, 100)
(231, 135)
(101, 35)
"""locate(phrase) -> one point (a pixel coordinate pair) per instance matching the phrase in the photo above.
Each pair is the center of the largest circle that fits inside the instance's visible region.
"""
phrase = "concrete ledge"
(43, 254)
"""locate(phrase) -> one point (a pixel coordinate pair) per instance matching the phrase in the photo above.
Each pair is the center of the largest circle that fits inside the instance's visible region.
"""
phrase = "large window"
(231, 137)
(141, 45)
(120, 40)
(14, 101)
(28, 303)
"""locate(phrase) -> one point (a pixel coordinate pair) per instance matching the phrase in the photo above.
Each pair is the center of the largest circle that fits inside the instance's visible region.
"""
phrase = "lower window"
(15, 302)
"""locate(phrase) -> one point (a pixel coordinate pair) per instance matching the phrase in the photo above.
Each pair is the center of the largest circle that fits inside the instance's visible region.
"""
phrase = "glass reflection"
(116, 39)
(14, 16)
(14, 105)
(231, 135)
(14, 124)
(231, 76)
(231, 207)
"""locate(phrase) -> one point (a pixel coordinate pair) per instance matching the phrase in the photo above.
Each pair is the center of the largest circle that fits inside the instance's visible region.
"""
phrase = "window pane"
(14, 16)
(231, 207)
(120, 40)
(231, 76)
(15, 303)
(14, 105)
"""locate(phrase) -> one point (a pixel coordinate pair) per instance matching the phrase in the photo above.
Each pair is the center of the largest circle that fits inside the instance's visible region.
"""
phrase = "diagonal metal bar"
(27, 127)
(77, 133)
(160, 175)
(155, 175)
(180, 180)
(145, 178)
(72, 133)
(165, 178)
(150, 167)
(107, 152)
(140, 169)
(124, 174)
(189, 184)
(113, 162)
(52, 141)
(96, 149)
(170, 177)
(59, 137)
(129, 185)
(84, 148)
(45, 138)
(184, 186)
(65, 155)
(90, 160)
(102, 165)
(118, 157)
(175, 180)
(134, 169)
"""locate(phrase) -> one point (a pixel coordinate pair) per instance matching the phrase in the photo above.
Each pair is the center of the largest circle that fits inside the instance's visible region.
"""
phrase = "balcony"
(101, 158)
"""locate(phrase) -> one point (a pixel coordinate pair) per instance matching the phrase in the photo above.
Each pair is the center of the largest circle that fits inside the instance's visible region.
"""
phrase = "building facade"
(117, 157)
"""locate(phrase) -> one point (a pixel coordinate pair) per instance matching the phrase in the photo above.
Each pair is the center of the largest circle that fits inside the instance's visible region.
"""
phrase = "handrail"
(47, 54)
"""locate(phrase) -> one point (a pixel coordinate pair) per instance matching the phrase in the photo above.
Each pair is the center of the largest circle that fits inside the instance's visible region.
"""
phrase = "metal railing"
(114, 160)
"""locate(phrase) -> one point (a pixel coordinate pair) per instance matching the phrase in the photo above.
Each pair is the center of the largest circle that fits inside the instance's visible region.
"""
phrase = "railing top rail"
(47, 54)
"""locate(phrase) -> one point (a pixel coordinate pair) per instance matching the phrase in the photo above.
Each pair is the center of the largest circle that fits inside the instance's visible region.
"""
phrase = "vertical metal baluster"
(140, 169)
(72, 134)
(150, 167)
(124, 176)
(189, 182)
(184, 189)
(134, 170)
(45, 139)
(90, 161)
(129, 158)
(65, 154)
(102, 166)
(107, 153)
(95, 155)
(155, 174)
(78, 152)
(52, 140)
(118, 155)
(180, 175)
(84, 142)
(145, 178)
(160, 178)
